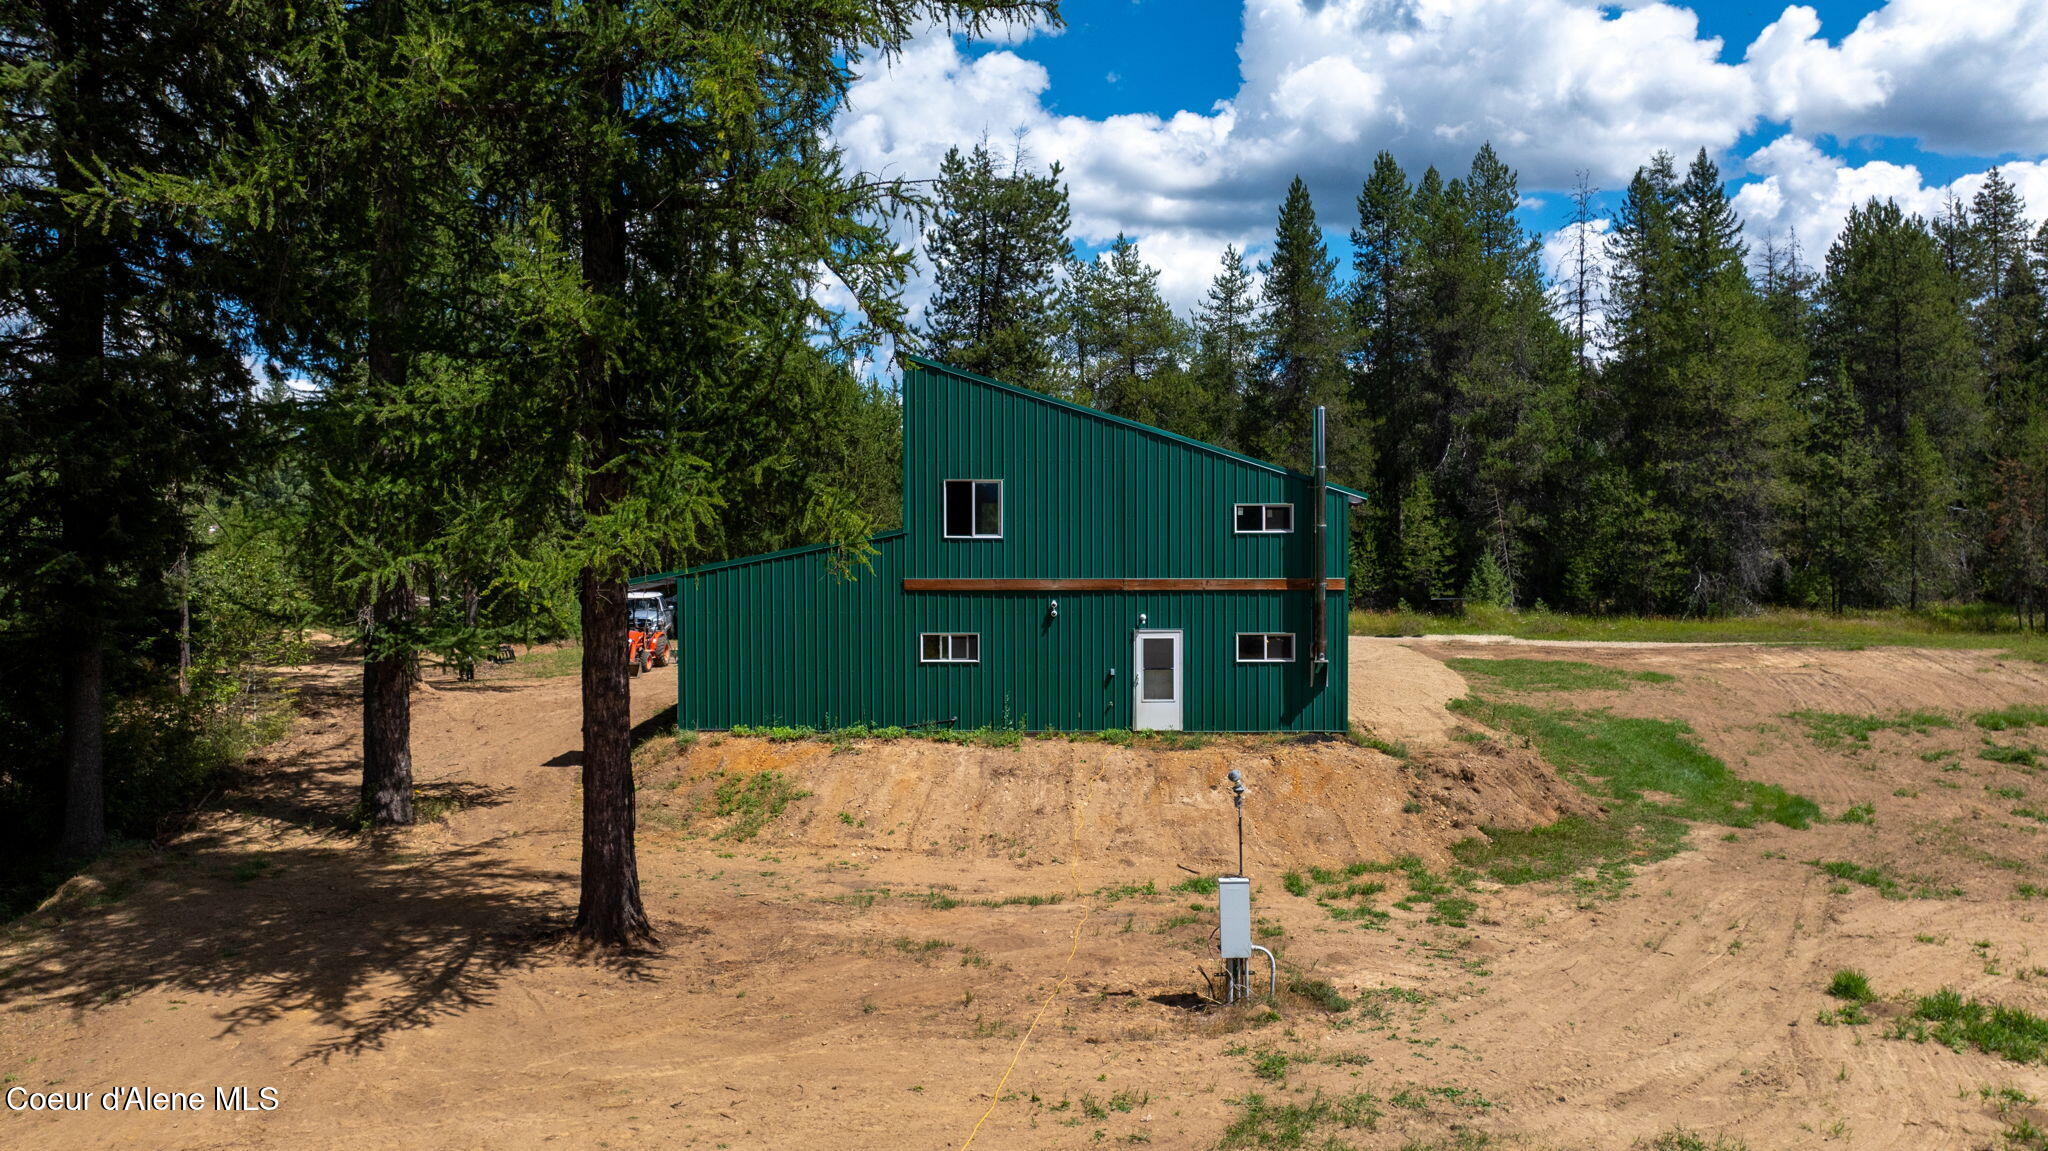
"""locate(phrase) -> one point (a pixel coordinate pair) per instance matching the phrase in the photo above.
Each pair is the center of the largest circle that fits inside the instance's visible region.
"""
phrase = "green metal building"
(1058, 569)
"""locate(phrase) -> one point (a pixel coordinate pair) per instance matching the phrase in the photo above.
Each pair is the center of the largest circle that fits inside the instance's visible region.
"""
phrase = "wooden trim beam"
(1117, 585)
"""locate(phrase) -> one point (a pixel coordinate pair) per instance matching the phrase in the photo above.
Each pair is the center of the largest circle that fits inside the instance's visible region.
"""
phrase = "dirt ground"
(873, 964)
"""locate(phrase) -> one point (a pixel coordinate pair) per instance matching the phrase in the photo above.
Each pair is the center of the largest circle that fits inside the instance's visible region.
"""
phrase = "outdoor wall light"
(1052, 610)
(1141, 619)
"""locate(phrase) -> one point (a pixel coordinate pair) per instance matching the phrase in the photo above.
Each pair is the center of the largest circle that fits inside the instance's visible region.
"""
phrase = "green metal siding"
(1089, 497)
(784, 640)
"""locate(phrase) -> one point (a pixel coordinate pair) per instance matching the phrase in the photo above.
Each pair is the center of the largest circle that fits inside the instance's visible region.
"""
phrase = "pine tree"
(2017, 515)
(1488, 585)
(1837, 534)
(1702, 384)
(1226, 347)
(1128, 348)
(1302, 342)
(124, 388)
(1893, 327)
(1582, 285)
(1920, 491)
(690, 167)
(1426, 548)
(997, 246)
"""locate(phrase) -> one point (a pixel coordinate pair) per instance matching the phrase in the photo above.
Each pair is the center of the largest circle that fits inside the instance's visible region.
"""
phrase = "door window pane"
(1158, 654)
(1159, 683)
(1158, 669)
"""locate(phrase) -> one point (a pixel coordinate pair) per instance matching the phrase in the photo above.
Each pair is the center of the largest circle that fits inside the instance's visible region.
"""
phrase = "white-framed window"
(973, 510)
(1265, 647)
(1263, 519)
(949, 647)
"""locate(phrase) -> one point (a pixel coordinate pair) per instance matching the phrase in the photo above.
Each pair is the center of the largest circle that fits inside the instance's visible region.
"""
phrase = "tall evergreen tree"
(1128, 348)
(1893, 327)
(122, 384)
(1836, 534)
(1226, 354)
(1582, 272)
(689, 166)
(1302, 342)
(997, 246)
(1921, 489)
(1702, 383)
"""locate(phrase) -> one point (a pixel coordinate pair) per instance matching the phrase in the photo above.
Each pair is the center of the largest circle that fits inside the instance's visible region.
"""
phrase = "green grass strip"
(1552, 675)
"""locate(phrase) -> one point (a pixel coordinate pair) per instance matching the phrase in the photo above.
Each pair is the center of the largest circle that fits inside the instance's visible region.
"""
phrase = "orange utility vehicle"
(651, 630)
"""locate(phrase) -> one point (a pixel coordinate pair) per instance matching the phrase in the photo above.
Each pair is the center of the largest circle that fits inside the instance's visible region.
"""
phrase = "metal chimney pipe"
(1318, 566)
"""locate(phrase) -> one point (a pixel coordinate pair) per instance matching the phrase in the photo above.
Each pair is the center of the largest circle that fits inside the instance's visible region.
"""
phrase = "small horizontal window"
(974, 509)
(1264, 519)
(949, 647)
(1265, 647)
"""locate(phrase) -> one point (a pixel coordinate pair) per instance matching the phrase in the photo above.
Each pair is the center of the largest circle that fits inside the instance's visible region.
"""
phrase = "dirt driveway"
(919, 919)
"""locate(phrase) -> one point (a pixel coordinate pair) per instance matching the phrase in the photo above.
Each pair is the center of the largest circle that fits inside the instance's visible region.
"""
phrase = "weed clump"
(1852, 985)
(752, 803)
(1946, 1017)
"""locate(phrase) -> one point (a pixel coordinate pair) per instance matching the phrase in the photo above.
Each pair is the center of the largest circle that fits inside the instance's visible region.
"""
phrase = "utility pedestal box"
(1234, 916)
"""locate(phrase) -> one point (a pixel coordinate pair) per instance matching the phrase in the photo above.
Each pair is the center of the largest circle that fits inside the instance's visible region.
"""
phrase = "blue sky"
(1181, 123)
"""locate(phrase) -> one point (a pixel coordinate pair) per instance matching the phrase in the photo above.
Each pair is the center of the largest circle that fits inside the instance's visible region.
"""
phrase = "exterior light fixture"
(1052, 610)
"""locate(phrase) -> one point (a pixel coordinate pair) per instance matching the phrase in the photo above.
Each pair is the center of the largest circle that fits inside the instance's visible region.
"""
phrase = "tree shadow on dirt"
(369, 942)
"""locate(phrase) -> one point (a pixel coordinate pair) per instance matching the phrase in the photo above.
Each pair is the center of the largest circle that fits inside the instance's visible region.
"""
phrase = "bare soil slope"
(862, 971)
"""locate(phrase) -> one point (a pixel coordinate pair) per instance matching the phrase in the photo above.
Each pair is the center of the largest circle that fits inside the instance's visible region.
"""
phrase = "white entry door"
(1157, 660)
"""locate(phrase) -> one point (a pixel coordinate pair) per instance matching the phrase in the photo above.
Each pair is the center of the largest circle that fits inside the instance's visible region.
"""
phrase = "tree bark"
(609, 913)
(78, 334)
(85, 808)
(387, 716)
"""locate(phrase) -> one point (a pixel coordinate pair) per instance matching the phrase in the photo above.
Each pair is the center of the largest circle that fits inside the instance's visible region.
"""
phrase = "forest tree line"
(1681, 423)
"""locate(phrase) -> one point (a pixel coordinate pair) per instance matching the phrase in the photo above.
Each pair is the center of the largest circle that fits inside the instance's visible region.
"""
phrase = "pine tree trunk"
(387, 718)
(78, 334)
(609, 913)
(85, 807)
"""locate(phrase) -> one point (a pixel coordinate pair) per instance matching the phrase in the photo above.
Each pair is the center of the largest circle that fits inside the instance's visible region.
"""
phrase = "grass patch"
(1263, 1123)
(1196, 885)
(752, 803)
(2019, 715)
(1835, 728)
(1861, 813)
(1364, 738)
(1619, 759)
(1972, 627)
(1551, 675)
(1887, 882)
(1319, 992)
(1946, 1017)
(1852, 985)
(1680, 1139)
(551, 662)
(2016, 756)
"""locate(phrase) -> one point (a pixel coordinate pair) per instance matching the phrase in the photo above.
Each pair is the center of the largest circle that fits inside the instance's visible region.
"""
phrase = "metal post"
(1237, 797)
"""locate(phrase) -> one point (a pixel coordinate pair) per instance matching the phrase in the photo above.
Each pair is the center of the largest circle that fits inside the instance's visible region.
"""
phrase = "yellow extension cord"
(1074, 877)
